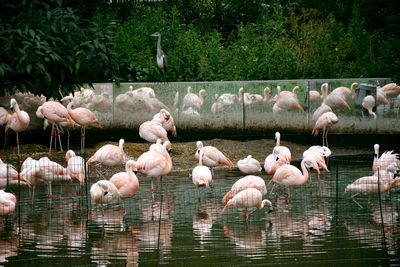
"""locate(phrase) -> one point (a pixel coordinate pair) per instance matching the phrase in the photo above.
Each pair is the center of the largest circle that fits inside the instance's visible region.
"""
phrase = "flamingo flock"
(247, 193)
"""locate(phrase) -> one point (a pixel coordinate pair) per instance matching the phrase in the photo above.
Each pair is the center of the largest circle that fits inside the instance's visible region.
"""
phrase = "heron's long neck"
(159, 43)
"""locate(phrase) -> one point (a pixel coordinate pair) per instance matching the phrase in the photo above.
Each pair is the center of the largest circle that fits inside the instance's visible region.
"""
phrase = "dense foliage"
(64, 44)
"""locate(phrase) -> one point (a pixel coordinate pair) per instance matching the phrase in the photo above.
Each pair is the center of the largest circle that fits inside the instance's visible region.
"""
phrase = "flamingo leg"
(273, 187)
(51, 136)
(355, 201)
(68, 140)
(326, 138)
(323, 136)
(49, 189)
(18, 144)
(152, 189)
(59, 138)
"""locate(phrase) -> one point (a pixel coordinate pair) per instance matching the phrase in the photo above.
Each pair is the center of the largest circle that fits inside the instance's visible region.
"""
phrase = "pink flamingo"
(368, 103)
(212, 156)
(249, 181)
(377, 183)
(323, 108)
(244, 97)
(3, 116)
(316, 155)
(54, 112)
(103, 192)
(7, 203)
(259, 99)
(152, 130)
(282, 151)
(345, 92)
(391, 89)
(126, 182)
(286, 101)
(8, 174)
(249, 198)
(50, 171)
(325, 121)
(289, 175)
(249, 165)
(76, 168)
(271, 163)
(383, 161)
(82, 116)
(333, 100)
(166, 120)
(17, 121)
(193, 100)
(155, 163)
(382, 97)
(201, 175)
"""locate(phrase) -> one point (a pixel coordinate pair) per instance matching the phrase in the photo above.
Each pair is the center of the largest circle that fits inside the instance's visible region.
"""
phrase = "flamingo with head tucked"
(126, 182)
(7, 203)
(333, 100)
(249, 165)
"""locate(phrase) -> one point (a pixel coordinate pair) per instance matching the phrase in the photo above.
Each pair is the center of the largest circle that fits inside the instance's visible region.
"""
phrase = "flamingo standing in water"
(82, 116)
(8, 174)
(54, 112)
(325, 121)
(380, 182)
(126, 182)
(76, 167)
(249, 165)
(249, 198)
(383, 161)
(282, 151)
(289, 175)
(249, 181)
(7, 203)
(201, 175)
(155, 163)
(17, 121)
(103, 192)
(212, 156)
(109, 155)
(316, 155)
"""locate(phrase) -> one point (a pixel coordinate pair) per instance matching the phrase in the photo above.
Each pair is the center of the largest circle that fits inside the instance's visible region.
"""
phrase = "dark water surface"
(321, 225)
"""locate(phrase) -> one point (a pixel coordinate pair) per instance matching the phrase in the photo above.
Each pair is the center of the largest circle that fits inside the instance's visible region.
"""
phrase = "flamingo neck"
(201, 97)
(305, 173)
(201, 158)
(240, 94)
(265, 95)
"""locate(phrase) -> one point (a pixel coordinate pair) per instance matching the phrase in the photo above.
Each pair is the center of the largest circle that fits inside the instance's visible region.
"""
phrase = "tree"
(47, 48)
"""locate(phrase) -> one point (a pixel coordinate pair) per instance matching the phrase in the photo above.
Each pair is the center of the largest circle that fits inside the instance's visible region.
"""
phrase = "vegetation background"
(52, 46)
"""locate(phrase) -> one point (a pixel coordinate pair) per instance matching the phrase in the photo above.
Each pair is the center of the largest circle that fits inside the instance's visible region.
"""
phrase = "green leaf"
(29, 68)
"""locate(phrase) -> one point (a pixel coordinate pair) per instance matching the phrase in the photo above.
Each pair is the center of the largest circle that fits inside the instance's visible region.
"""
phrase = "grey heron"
(161, 56)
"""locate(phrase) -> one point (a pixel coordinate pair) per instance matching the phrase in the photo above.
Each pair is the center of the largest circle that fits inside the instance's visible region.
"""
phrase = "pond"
(183, 226)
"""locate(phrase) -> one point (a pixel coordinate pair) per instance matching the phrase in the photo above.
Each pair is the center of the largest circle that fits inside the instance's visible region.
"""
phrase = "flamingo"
(244, 97)
(3, 116)
(76, 168)
(249, 181)
(345, 92)
(381, 97)
(212, 156)
(391, 89)
(54, 112)
(383, 161)
(259, 99)
(378, 183)
(286, 102)
(316, 155)
(30, 172)
(152, 130)
(333, 100)
(227, 99)
(193, 100)
(7, 203)
(323, 108)
(271, 164)
(103, 192)
(17, 121)
(294, 92)
(51, 171)
(282, 151)
(289, 175)
(8, 174)
(155, 163)
(314, 96)
(166, 120)
(368, 103)
(126, 182)
(249, 198)
(82, 116)
(325, 121)
(249, 165)
(201, 175)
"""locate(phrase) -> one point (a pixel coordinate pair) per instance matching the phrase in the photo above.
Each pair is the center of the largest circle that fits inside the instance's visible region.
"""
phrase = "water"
(321, 226)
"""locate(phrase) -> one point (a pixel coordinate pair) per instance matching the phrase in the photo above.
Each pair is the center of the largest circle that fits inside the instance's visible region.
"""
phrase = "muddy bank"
(182, 152)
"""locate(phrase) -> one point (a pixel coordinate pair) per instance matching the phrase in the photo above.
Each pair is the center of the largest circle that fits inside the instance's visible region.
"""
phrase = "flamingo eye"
(198, 151)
